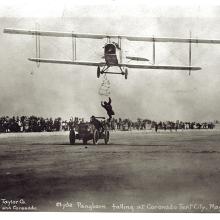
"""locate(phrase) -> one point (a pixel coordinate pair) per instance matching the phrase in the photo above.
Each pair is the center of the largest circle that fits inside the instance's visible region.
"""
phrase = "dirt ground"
(139, 171)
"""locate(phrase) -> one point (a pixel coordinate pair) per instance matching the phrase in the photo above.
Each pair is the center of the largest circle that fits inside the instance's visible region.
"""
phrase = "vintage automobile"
(87, 131)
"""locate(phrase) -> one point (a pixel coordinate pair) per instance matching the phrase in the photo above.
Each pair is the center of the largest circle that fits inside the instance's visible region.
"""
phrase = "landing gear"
(126, 73)
(98, 72)
(103, 70)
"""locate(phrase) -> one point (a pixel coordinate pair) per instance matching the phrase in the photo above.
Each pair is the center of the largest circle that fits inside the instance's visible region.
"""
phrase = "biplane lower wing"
(83, 63)
(136, 66)
(163, 67)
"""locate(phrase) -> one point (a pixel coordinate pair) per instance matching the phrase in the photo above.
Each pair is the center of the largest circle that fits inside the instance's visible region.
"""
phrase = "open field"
(138, 171)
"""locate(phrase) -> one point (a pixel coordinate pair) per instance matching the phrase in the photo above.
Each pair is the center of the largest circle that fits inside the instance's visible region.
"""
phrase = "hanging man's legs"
(110, 118)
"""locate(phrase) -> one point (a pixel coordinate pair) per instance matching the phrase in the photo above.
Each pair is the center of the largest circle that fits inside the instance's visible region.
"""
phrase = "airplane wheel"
(72, 137)
(98, 72)
(106, 137)
(126, 73)
(95, 137)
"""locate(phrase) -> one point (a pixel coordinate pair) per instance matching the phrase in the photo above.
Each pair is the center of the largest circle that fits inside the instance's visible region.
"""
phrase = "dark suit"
(107, 106)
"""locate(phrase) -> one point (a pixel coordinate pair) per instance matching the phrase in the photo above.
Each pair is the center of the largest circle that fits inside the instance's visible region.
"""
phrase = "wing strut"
(119, 44)
(74, 47)
(154, 54)
(190, 52)
(37, 42)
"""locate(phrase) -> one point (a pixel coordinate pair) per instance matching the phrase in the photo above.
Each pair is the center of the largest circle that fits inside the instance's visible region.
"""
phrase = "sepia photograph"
(109, 106)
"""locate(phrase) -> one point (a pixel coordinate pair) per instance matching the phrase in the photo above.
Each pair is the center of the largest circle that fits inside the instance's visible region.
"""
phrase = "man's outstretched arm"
(109, 102)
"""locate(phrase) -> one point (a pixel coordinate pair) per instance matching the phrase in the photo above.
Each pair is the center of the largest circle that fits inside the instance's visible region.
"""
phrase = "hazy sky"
(65, 90)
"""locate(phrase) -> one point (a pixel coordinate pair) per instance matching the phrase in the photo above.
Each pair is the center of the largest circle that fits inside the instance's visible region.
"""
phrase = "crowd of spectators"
(179, 125)
(142, 124)
(31, 124)
(40, 124)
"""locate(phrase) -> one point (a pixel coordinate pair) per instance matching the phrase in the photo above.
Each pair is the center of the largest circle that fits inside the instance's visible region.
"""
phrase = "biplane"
(113, 51)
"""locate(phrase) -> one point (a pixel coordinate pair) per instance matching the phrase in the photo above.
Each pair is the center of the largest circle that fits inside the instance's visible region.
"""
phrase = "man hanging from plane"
(108, 107)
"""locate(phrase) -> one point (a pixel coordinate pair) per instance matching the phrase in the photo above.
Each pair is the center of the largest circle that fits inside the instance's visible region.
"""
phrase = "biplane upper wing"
(75, 62)
(101, 36)
(137, 66)
(52, 33)
(175, 40)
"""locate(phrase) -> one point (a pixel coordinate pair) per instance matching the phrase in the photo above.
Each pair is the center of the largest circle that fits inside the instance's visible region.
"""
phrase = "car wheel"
(95, 137)
(84, 141)
(72, 137)
(106, 138)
